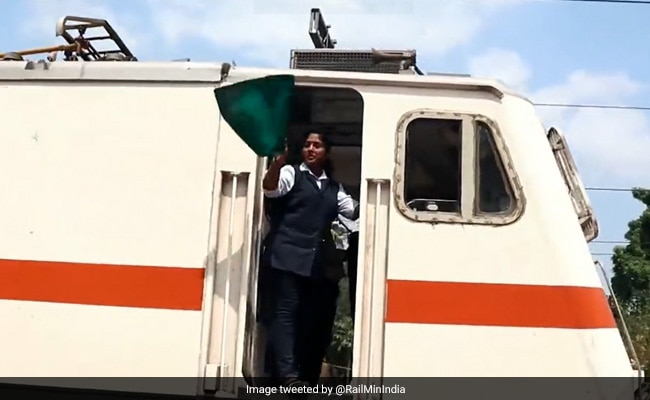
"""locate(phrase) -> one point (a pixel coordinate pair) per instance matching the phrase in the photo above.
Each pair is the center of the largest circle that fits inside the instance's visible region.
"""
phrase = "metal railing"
(626, 332)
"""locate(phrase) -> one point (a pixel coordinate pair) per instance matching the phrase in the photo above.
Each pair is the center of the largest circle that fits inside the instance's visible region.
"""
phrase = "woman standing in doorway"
(304, 200)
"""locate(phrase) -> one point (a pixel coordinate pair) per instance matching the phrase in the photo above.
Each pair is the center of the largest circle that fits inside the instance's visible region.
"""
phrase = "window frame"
(469, 213)
(576, 190)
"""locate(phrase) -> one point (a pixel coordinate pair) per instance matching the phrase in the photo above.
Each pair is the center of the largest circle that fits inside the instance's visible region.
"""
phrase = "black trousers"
(300, 323)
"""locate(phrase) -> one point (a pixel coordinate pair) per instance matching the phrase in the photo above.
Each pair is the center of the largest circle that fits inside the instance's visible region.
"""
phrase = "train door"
(423, 227)
(337, 112)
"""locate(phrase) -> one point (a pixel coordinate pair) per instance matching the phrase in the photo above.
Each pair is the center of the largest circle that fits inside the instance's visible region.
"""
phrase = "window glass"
(432, 174)
(452, 169)
(493, 194)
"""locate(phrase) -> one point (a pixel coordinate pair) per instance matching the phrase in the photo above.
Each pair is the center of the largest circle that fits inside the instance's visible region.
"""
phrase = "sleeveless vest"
(299, 221)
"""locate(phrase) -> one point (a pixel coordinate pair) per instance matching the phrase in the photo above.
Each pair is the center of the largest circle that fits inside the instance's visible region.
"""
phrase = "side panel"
(107, 195)
(235, 220)
(450, 299)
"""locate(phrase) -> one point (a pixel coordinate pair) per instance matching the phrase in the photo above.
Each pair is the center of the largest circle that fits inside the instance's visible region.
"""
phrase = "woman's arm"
(272, 176)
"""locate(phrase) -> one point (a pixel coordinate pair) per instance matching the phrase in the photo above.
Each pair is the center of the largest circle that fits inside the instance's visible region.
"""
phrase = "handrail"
(626, 333)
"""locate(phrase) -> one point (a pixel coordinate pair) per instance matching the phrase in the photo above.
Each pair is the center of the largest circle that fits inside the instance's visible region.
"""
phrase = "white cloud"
(266, 33)
(610, 146)
(614, 145)
(263, 31)
(504, 65)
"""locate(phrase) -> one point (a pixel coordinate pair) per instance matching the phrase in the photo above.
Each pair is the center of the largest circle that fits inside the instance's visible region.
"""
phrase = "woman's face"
(313, 151)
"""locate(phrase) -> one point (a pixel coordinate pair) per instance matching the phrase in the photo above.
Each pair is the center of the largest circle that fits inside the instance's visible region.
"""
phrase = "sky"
(551, 51)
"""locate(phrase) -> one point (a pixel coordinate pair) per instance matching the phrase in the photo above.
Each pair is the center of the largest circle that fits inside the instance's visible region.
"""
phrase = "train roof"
(211, 72)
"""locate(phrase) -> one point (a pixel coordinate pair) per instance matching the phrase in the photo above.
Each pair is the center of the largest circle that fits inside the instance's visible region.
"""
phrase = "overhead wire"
(615, 242)
(610, 189)
(595, 106)
(638, 2)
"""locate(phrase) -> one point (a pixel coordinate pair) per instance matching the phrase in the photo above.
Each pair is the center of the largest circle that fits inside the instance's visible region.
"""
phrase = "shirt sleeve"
(347, 208)
(285, 183)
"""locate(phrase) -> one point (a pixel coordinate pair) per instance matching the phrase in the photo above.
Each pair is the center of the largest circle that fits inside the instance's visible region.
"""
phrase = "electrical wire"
(609, 189)
(617, 242)
(596, 106)
(644, 2)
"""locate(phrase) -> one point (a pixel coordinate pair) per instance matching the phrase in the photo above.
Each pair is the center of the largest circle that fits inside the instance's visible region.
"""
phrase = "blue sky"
(553, 51)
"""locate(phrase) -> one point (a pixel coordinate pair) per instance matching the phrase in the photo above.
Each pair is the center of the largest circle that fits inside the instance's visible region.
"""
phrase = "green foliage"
(639, 328)
(631, 280)
(340, 352)
(342, 343)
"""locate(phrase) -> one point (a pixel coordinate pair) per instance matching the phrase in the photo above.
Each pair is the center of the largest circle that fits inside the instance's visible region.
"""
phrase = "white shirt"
(341, 230)
(288, 178)
(351, 224)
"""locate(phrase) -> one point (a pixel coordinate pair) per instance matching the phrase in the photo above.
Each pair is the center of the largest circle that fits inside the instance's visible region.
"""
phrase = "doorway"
(338, 113)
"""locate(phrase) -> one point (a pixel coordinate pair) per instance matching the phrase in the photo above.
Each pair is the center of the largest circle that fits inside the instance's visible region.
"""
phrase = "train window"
(493, 192)
(574, 184)
(432, 165)
(451, 167)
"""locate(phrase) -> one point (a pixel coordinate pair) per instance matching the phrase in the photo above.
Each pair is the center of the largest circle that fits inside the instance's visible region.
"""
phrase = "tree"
(631, 279)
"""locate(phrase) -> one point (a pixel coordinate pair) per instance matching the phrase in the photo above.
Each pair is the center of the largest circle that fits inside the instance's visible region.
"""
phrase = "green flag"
(259, 111)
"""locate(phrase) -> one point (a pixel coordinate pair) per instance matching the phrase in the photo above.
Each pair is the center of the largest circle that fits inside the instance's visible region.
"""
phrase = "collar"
(304, 167)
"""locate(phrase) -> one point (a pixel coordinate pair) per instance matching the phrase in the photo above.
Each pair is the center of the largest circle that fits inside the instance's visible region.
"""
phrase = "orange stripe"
(497, 305)
(101, 284)
(407, 301)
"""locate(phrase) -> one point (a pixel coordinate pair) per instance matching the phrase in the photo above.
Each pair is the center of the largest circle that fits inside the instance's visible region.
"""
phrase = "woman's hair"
(328, 167)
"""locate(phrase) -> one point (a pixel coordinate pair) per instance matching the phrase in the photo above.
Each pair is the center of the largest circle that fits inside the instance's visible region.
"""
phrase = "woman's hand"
(270, 181)
(281, 159)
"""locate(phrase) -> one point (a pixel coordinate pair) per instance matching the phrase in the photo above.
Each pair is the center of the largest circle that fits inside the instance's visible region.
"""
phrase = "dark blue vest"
(299, 221)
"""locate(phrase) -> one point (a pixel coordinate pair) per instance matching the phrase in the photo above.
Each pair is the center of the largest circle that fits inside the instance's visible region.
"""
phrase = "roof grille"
(344, 60)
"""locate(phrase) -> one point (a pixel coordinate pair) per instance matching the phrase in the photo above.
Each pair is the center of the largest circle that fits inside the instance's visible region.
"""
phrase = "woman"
(303, 202)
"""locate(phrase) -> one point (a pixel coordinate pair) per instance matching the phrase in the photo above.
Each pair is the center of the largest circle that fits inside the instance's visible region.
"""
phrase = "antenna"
(319, 31)
(79, 46)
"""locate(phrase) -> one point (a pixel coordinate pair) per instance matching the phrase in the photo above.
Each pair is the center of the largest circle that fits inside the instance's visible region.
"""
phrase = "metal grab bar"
(626, 333)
